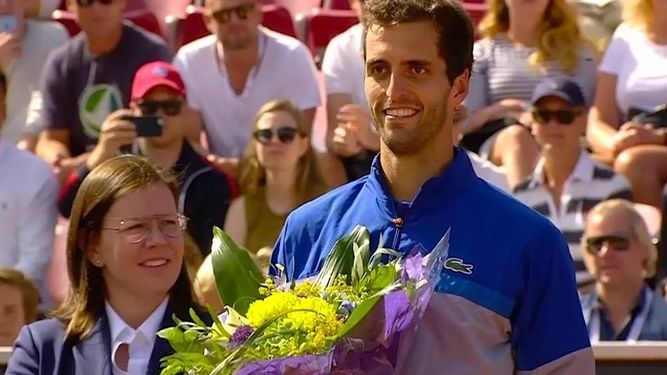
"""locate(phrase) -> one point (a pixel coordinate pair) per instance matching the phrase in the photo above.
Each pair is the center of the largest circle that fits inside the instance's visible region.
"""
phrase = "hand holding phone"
(147, 126)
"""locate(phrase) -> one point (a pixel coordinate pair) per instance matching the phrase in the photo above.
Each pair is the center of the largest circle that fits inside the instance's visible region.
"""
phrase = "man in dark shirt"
(88, 78)
(158, 90)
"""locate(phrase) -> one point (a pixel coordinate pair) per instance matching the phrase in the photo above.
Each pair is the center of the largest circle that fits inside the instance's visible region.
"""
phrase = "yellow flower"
(270, 307)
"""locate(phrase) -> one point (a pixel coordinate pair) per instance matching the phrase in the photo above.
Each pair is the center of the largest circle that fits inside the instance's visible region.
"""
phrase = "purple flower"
(240, 336)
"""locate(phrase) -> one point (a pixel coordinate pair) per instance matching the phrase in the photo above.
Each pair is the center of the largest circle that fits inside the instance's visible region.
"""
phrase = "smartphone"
(147, 126)
(8, 23)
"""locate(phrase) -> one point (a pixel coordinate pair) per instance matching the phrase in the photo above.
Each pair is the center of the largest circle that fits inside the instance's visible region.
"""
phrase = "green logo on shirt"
(457, 265)
(96, 104)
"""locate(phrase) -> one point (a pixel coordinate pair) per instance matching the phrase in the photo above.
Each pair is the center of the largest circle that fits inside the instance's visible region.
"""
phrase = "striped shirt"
(501, 71)
(590, 183)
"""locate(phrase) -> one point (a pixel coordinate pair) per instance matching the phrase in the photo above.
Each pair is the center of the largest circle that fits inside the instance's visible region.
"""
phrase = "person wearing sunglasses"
(231, 74)
(89, 77)
(567, 181)
(158, 92)
(128, 278)
(279, 172)
(620, 254)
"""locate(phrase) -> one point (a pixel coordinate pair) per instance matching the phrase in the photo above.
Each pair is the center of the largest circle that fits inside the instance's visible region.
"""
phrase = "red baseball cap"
(154, 74)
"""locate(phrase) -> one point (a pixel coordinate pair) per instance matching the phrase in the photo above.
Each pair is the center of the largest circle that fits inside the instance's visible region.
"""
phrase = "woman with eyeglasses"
(620, 254)
(523, 42)
(125, 263)
(627, 126)
(279, 172)
(154, 126)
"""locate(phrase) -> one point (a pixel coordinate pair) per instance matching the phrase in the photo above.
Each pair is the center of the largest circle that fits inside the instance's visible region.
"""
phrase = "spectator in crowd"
(88, 78)
(24, 47)
(231, 74)
(523, 43)
(279, 173)
(125, 264)
(28, 210)
(350, 132)
(18, 305)
(507, 303)
(621, 256)
(157, 90)
(567, 182)
(632, 79)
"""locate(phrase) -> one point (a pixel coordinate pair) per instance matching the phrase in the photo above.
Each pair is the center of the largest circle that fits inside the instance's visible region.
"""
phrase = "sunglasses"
(87, 3)
(286, 134)
(563, 116)
(169, 107)
(617, 242)
(242, 12)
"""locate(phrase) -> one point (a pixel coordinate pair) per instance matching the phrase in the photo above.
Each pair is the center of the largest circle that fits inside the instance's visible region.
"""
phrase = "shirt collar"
(583, 171)
(148, 328)
(599, 306)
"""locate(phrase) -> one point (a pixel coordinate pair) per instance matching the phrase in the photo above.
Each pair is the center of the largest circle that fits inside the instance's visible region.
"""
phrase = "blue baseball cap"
(563, 88)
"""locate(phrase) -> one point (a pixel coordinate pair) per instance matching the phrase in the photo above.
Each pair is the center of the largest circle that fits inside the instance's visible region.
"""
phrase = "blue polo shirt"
(507, 298)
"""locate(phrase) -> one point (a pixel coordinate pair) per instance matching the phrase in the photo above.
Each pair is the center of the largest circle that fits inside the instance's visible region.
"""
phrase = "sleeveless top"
(263, 226)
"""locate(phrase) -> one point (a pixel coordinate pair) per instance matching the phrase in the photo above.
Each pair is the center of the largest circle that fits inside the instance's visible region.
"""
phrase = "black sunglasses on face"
(87, 3)
(286, 134)
(617, 242)
(169, 107)
(242, 12)
(563, 116)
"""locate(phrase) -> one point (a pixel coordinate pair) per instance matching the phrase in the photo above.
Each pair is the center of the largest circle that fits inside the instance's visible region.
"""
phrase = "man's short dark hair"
(451, 20)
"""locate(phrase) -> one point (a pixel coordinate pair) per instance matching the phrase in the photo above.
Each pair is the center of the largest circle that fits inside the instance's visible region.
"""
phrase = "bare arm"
(53, 147)
(604, 116)
(309, 116)
(235, 223)
(334, 103)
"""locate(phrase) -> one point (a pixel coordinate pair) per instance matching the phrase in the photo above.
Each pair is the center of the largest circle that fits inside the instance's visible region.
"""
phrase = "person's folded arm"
(604, 116)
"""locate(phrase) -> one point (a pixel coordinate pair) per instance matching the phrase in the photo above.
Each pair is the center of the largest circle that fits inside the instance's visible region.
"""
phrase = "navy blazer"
(41, 349)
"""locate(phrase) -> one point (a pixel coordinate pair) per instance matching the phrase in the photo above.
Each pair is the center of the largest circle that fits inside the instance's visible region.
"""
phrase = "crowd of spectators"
(566, 111)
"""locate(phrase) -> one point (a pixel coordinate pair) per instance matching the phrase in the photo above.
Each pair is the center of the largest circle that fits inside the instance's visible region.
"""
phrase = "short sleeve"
(335, 68)
(479, 80)
(56, 111)
(617, 50)
(548, 329)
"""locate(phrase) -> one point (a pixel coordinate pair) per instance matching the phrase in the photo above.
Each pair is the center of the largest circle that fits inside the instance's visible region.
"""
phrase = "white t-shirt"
(641, 69)
(343, 65)
(285, 70)
(28, 213)
(489, 172)
(41, 38)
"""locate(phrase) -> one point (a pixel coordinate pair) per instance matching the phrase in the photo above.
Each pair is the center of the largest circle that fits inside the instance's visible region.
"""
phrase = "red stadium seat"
(192, 27)
(142, 18)
(324, 24)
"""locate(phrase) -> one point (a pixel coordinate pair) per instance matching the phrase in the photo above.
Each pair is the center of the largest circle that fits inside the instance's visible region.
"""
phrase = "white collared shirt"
(140, 341)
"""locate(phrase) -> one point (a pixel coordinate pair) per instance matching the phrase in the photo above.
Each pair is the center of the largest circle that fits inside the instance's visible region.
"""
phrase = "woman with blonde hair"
(626, 126)
(125, 251)
(279, 172)
(620, 254)
(522, 43)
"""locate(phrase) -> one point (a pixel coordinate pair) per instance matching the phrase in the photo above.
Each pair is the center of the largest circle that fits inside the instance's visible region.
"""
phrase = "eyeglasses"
(135, 230)
(242, 12)
(169, 107)
(286, 134)
(87, 3)
(563, 116)
(617, 242)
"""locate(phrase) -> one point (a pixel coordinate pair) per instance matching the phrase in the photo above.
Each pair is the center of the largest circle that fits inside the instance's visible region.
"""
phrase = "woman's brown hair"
(29, 292)
(558, 35)
(104, 185)
(310, 182)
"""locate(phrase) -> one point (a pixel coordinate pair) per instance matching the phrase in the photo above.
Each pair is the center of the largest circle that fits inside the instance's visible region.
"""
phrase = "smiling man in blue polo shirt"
(507, 300)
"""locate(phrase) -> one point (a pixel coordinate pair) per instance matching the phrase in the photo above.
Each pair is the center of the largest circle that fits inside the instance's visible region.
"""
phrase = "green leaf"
(340, 260)
(236, 275)
(358, 314)
(361, 257)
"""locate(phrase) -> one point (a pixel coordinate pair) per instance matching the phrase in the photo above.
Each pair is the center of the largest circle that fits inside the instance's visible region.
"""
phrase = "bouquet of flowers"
(349, 319)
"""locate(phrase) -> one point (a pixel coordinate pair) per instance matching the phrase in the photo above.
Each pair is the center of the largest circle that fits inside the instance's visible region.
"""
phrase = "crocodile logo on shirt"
(457, 265)
(96, 103)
